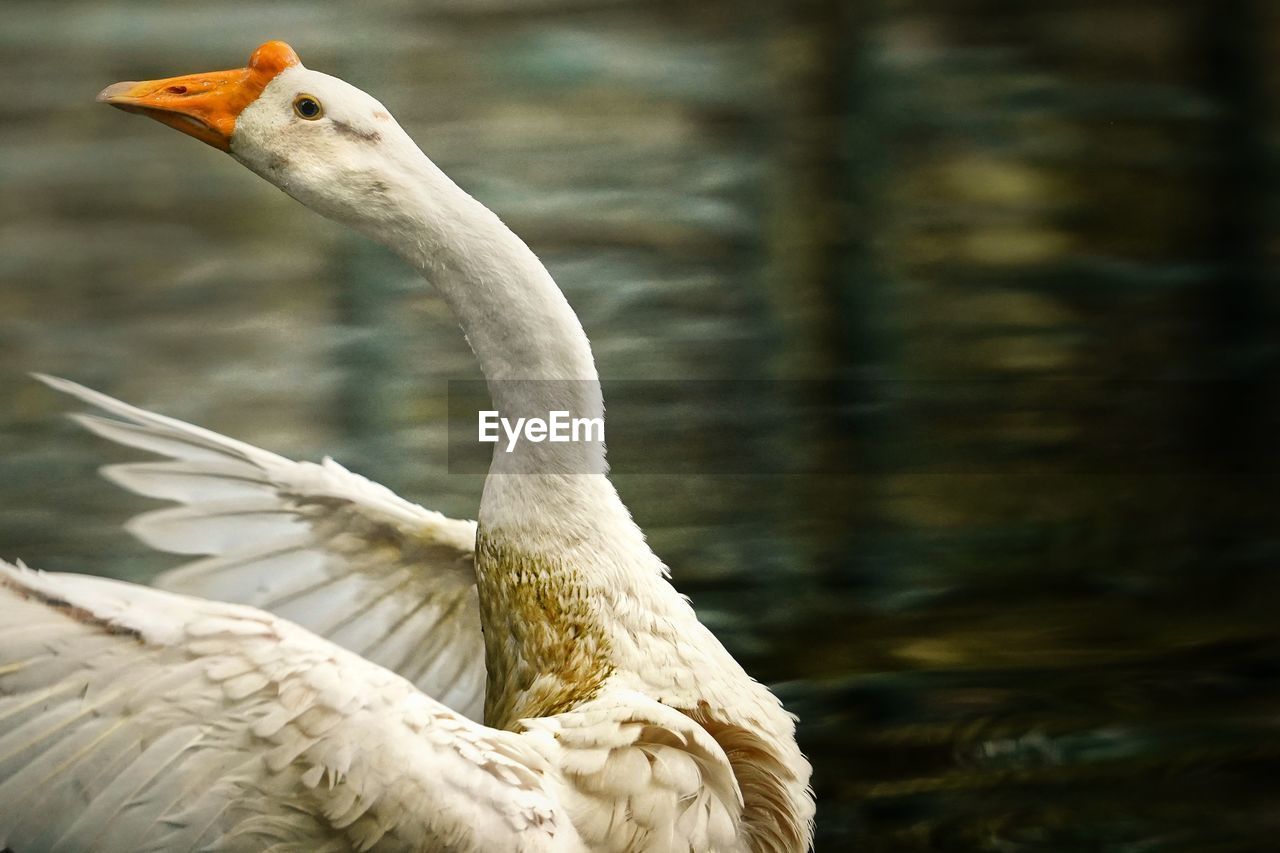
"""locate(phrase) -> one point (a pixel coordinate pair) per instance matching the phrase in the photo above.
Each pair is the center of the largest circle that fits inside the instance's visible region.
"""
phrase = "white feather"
(315, 543)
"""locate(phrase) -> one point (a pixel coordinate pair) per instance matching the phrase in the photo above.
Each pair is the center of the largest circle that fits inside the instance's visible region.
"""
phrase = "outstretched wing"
(133, 719)
(342, 556)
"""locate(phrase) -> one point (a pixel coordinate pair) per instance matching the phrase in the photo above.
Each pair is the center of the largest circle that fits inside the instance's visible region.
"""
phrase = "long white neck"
(556, 543)
(530, 344)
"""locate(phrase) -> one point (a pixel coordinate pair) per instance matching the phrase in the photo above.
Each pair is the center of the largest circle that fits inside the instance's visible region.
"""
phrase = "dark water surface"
(1010, 547)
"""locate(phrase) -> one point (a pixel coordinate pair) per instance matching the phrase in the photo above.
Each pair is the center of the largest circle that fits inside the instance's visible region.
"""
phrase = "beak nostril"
(177, 90)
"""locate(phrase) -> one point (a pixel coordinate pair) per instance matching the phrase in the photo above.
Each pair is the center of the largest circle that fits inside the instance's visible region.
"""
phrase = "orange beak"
(205, 106)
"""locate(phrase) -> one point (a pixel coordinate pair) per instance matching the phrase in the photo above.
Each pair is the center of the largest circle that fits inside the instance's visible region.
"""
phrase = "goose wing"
(133, 719)
(340, 555)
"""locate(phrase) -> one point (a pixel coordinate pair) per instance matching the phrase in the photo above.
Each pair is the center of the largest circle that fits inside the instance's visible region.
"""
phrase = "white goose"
(138, 719)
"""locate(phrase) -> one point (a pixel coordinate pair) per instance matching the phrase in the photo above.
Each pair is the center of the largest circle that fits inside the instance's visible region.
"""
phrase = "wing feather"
(144, 729)
(313, 543)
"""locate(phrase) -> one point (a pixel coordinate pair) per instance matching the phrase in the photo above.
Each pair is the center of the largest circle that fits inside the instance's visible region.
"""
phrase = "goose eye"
(307, 107)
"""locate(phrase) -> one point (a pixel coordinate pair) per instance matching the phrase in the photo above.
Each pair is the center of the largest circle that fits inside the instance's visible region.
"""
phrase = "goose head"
(328, 144)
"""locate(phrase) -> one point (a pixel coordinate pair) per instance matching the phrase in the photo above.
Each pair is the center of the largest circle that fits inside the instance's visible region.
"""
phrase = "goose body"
(344, 670)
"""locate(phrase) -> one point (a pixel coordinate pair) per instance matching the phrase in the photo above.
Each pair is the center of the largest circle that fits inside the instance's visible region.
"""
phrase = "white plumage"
(136, 719)
(341, 556)
(348, 716)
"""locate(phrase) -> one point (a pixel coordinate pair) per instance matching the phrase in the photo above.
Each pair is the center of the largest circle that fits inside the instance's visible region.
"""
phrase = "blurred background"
(1017, 573)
